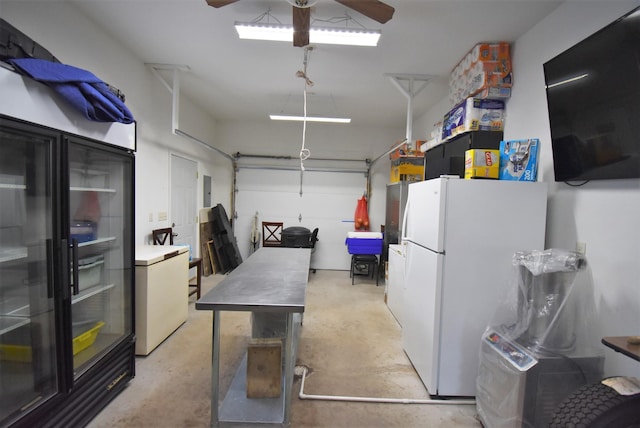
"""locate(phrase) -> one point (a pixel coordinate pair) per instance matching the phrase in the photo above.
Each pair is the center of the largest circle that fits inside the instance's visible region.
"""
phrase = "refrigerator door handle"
(50, 270)
(74, 261)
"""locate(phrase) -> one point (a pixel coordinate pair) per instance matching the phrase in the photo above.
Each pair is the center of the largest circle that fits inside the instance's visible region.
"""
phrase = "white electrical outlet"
(581, 247)
(150, 217)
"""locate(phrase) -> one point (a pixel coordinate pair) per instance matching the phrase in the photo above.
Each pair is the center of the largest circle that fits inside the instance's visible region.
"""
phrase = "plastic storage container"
(90, 272)
(296, 237)
(84, 231)
(364, 242)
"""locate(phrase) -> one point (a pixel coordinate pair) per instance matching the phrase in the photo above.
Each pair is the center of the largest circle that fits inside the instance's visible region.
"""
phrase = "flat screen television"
(593, 97)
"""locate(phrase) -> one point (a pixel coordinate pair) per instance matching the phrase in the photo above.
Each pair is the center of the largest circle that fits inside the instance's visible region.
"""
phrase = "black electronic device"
(593, 90)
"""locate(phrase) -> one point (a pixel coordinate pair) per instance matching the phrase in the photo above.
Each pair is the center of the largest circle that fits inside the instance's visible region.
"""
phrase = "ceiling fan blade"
(301, 25)
(220, 3)
(374, 9)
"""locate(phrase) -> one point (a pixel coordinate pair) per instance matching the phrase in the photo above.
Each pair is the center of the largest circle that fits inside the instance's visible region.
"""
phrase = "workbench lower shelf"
(236, 409)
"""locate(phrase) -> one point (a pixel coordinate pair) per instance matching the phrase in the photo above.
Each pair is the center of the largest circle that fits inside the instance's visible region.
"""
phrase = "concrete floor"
(350, 342)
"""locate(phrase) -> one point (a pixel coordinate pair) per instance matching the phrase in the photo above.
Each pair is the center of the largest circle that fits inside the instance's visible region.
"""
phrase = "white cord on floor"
(304, 396)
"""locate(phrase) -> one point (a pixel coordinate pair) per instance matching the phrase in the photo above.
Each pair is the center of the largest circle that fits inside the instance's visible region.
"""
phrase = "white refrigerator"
(460, 236)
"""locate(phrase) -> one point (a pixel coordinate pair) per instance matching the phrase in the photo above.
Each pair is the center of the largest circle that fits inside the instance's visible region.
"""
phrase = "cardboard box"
(474, 114)
(407, 150)
(264, 368)
(487, 65)
(481, 163)
(519, 160)
(407, 169)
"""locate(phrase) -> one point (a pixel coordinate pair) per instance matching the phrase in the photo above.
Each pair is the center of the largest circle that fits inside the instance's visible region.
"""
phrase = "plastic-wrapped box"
(474, 114)
(519, 160)
(364, 242)
(485, 66)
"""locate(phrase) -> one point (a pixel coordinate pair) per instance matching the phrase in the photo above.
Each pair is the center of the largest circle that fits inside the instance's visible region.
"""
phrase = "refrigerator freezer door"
(421, 319)
(424, 214)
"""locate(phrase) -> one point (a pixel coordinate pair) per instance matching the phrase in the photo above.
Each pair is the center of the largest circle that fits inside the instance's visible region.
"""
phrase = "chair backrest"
(314, 238)
(161, 236)
(271, 234)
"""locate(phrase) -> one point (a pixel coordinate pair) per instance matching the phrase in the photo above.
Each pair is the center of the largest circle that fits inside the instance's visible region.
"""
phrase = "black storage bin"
(452, 165)
(459, 144)
(296, 237)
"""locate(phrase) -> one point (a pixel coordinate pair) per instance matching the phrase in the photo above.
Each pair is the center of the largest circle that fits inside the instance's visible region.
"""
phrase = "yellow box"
(481, 163)
(17, 353)
(407, 169)
(86, 339)
(407, 173)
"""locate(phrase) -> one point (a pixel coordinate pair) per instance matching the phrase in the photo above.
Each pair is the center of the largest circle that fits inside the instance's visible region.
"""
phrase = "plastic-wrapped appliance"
(537, 349)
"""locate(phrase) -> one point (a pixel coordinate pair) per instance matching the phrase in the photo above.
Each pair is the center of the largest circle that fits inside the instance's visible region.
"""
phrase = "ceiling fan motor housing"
(303, 3)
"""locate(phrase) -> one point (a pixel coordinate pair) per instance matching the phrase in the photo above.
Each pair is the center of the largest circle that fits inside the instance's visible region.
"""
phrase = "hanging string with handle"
(304, 152)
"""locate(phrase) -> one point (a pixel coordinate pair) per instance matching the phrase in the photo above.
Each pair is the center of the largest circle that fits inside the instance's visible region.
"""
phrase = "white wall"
(603, 214)
(77, 41)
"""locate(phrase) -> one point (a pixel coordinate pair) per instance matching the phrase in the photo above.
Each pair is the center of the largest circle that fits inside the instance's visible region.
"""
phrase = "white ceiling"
(232, 78)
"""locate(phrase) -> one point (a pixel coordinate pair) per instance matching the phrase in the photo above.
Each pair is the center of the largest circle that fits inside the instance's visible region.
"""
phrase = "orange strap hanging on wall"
(361, 217)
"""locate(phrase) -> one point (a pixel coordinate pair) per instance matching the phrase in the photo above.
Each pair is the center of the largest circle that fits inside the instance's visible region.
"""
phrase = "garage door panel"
(328, 202)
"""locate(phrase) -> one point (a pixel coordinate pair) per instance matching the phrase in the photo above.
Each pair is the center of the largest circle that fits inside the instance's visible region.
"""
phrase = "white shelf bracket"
(409, 85)
(174, 89)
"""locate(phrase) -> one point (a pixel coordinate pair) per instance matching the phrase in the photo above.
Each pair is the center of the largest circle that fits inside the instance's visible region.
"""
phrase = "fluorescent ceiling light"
(330, 36)
(310, 118)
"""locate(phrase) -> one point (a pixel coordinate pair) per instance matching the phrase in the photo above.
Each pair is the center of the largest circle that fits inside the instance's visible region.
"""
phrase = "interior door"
(184, 180)
(28, 344)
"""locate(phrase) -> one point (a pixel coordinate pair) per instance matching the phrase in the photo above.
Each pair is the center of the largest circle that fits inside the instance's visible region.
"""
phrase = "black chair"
(312, 243)
(160, 237)
(364, 265)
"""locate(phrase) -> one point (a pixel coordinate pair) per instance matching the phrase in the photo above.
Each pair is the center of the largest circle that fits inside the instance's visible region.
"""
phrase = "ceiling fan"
(374, 9)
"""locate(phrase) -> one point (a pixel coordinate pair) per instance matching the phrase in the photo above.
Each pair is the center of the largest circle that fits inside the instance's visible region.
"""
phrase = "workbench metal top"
(270, 280)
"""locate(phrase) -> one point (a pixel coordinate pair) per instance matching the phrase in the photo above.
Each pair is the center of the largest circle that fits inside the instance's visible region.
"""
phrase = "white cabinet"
(162, 293)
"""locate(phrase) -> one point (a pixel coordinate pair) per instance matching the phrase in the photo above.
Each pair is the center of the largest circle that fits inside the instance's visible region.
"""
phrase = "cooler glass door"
(28, 363)
(100, 227)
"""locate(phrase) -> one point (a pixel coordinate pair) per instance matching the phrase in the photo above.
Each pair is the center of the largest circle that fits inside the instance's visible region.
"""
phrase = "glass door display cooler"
(66, 264)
